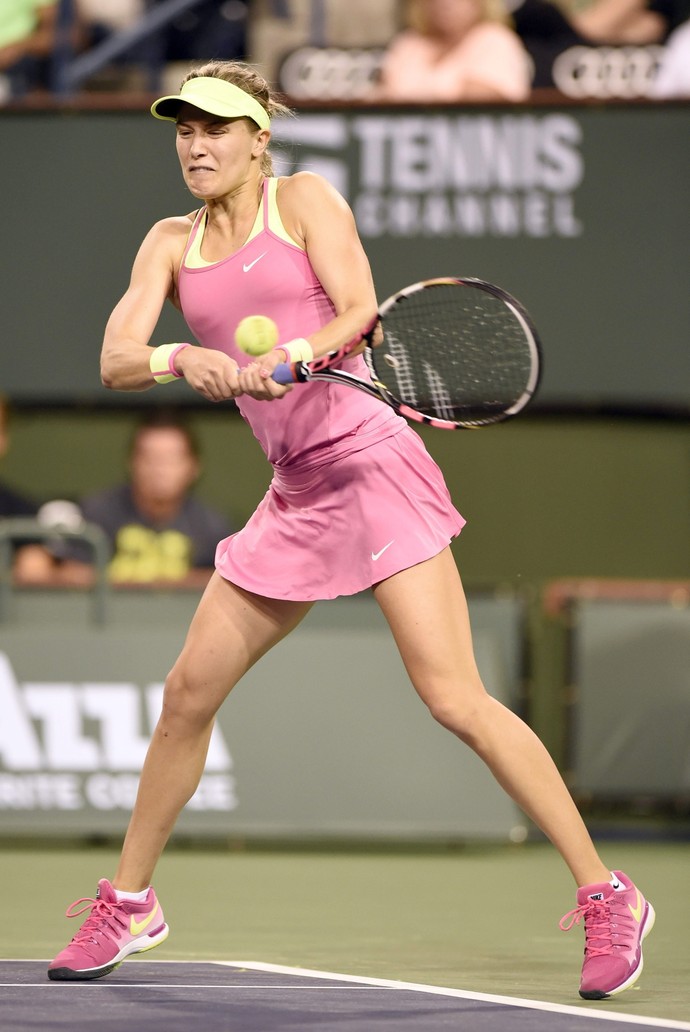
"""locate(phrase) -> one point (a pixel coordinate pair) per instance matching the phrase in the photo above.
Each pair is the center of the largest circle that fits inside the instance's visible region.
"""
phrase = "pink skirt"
(340, 528)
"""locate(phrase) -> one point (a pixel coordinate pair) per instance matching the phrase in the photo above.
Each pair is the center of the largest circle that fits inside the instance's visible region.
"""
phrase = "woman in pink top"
(355, 502)
(456, 50)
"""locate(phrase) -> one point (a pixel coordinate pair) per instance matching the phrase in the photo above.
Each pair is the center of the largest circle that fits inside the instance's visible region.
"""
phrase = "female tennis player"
(355, 503)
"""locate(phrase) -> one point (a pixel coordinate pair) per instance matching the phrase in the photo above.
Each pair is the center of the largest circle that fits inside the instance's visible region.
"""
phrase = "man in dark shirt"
(158, 531)
(29, 558)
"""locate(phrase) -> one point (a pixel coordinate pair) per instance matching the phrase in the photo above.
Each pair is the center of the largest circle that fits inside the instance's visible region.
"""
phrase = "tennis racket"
(453, 353)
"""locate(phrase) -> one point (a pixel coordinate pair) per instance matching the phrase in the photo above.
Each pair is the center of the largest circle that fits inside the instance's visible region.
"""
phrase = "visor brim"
(168, 108)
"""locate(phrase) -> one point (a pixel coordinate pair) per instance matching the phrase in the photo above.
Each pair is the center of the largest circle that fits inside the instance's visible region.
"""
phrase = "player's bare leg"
(231, 630)
(427, 612)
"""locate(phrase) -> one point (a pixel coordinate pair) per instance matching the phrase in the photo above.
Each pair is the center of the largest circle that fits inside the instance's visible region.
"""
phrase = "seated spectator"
(160, 533)
(616, 22)
(548, 28)
(31, 561)
(27, 37)
(455, 50)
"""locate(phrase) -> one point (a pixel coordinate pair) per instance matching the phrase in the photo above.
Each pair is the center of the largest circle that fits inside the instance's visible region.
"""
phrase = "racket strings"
(455, 353)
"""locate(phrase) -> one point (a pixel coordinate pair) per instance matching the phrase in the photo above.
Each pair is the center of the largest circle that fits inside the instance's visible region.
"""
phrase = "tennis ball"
(256, 334)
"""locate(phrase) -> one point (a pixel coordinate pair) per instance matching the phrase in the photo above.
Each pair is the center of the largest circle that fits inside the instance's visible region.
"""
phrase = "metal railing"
(70, 71)
(15, 530)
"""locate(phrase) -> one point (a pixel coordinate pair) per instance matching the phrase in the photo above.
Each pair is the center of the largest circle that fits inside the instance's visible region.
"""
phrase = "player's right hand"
(212, 373)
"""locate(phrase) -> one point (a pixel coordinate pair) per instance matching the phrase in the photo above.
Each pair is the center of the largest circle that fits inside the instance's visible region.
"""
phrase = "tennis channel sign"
(446, 175)
(551, 203)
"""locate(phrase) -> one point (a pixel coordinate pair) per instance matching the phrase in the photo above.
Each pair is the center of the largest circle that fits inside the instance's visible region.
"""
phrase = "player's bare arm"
(126, 353)
(323, 222)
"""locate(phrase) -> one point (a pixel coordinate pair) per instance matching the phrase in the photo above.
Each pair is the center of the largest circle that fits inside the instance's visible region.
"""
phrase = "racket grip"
(283, 373)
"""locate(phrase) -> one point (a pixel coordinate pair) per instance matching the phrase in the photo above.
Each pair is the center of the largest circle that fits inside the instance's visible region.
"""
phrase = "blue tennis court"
(176, 996)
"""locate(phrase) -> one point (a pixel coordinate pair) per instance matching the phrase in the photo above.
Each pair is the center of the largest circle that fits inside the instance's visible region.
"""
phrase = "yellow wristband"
(299, 350)
(162, 362)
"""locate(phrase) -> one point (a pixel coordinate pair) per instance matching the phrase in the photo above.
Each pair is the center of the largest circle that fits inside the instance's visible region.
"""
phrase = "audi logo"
(607, 72)
(329, 73)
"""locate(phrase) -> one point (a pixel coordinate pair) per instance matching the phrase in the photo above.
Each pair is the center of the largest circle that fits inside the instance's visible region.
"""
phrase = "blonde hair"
(249, 80)
(492, 10)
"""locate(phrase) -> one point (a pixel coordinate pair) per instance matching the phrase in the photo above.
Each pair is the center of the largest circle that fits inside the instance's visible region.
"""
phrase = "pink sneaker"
(616, 922)
(111, 933)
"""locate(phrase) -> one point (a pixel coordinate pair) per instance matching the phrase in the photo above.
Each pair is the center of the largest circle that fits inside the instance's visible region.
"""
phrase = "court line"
(191, 985)
(464, 994)
(362, 981)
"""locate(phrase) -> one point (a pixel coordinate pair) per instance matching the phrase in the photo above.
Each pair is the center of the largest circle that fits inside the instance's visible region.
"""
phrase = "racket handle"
(283, 373)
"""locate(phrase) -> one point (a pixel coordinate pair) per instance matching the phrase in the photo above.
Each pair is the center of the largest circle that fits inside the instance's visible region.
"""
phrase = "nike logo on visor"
(246, 268)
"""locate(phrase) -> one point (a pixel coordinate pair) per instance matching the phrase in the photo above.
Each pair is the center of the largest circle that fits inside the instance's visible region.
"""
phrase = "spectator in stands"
(455, 50)
(547, 28)
(31, 562)
(27, 36)
(159, 532)
(673, 79)
(619, 22)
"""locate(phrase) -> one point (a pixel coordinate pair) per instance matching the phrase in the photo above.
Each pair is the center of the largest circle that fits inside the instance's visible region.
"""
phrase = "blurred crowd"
(392, 51)
(396, 51)
(153, 528)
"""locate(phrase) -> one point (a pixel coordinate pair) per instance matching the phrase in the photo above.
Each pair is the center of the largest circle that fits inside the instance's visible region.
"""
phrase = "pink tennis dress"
(355, 496)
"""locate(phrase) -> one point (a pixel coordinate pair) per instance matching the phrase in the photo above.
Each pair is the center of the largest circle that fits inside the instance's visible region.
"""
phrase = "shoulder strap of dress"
(272, 219)
(269, 193)
(192, 235)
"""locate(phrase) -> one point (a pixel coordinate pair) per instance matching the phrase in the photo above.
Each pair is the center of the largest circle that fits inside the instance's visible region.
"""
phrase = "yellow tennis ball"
(256, 334)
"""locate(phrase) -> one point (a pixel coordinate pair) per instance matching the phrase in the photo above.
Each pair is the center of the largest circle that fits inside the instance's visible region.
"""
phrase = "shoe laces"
(608, 925)
(105, 919)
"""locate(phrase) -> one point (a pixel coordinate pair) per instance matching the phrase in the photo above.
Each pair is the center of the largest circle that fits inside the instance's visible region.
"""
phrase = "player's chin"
(199, 189)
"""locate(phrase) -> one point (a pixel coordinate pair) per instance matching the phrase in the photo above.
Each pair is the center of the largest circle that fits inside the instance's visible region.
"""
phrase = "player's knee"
(184, 704)
(459, 712)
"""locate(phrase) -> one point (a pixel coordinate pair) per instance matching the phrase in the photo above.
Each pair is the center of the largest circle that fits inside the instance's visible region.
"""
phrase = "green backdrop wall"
(581, 212)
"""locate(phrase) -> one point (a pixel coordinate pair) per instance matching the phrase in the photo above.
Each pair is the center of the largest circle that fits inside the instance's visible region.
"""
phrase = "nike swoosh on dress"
(246, 268)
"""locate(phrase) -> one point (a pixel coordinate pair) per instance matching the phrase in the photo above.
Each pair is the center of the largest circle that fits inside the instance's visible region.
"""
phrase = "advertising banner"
(324, 737)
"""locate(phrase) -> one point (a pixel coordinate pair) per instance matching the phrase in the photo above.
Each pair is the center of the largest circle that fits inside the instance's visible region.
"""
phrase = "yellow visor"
(217, 97)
